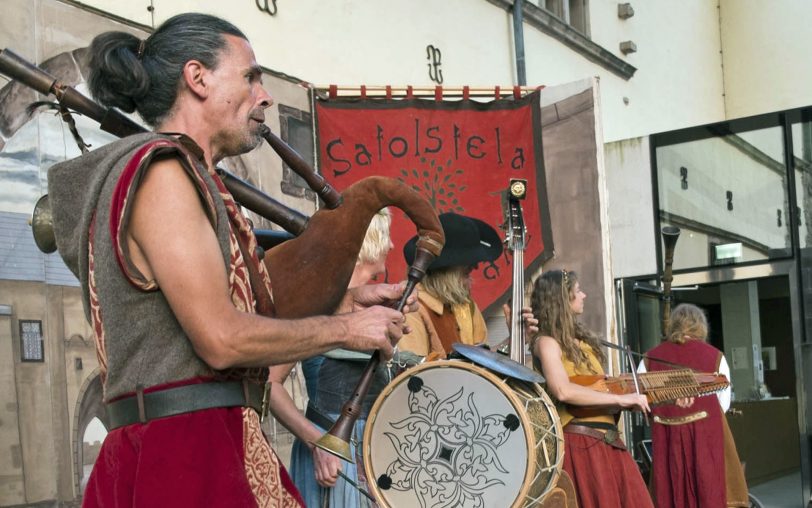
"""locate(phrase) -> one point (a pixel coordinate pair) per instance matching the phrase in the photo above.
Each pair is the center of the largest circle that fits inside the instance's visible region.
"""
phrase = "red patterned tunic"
(211, 457)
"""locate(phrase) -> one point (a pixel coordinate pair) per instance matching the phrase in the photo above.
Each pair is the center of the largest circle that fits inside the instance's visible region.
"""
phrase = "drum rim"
(493, 379)
(548, 402)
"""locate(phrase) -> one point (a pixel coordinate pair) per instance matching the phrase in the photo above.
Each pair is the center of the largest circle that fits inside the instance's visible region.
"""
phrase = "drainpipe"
(518, 41)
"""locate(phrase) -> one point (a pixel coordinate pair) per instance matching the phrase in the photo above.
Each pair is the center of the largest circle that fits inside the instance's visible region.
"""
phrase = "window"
(31, 341)
(574, 12)
(801, 128)
(296, 129)
(802, 161)
(726, 187)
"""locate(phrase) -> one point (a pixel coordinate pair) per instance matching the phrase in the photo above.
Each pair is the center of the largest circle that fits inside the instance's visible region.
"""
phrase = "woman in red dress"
(602, 470)
(695, 463)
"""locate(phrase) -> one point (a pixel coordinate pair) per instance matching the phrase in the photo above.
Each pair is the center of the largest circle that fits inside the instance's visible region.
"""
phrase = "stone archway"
(89, 405)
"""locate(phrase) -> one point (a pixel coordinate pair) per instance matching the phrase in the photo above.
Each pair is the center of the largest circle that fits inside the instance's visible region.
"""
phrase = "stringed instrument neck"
(517, 338)
(659, 387)
(515, 240)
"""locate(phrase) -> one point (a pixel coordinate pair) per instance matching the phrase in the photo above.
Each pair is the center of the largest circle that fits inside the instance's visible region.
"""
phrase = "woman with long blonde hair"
(447, 312)
(603, 472)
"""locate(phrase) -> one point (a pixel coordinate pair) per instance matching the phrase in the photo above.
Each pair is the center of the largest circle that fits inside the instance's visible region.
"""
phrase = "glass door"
(754, 321)
(639, 317)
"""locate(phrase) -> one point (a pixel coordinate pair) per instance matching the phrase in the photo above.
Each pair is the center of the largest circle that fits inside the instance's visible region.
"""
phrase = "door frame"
(802, 350)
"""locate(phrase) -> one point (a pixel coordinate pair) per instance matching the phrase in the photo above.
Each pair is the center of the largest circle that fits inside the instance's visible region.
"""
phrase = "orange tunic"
(425, 338)
(593, 367)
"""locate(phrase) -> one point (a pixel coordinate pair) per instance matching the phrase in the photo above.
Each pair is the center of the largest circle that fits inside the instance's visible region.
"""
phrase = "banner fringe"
(410, 92)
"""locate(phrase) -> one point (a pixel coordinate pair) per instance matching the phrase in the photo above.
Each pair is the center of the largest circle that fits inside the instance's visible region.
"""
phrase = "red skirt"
(214, 457)
(689, 465)
(604, 476)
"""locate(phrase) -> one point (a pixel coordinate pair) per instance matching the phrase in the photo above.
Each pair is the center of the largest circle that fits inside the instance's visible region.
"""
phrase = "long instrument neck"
(517, 339)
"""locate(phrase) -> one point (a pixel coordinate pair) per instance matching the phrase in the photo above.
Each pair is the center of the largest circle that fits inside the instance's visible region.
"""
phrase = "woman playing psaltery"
(603, 472)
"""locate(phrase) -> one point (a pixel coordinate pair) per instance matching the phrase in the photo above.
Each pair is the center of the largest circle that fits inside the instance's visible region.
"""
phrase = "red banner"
(459, 154)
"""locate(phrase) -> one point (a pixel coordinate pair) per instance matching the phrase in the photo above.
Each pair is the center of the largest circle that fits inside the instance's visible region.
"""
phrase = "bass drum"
(452, 434)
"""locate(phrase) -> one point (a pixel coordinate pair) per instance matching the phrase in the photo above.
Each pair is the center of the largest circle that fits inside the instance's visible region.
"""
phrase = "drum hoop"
(558, 431)
(455, 364)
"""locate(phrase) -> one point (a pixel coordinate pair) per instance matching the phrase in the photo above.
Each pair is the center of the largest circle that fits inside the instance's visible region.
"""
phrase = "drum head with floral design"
(448, 434)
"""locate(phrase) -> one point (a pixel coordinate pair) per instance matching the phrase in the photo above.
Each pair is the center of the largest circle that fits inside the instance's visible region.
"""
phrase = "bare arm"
(559, 385)
(172, 241)
(325, 465)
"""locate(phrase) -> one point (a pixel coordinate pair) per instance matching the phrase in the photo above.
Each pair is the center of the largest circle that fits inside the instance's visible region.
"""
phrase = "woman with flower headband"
(603, 472)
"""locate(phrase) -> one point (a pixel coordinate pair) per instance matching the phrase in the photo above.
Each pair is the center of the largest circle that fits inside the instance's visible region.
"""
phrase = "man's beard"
(451, 286)
(251, 141)
(246, 143)
(246, 139)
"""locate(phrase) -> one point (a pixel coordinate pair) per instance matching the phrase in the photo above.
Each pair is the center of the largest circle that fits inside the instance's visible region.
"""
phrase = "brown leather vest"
(447, 327)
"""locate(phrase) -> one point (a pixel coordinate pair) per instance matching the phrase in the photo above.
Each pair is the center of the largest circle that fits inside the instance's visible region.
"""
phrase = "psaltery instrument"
(659, 387)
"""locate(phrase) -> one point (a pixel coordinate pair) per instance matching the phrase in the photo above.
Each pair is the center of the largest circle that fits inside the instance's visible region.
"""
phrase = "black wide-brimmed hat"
(468, 241)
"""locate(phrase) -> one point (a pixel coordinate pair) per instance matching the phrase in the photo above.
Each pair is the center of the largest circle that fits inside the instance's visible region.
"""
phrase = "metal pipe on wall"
(518, 41)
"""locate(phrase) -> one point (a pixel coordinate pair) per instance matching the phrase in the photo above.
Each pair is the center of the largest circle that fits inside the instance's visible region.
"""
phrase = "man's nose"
(265, 99)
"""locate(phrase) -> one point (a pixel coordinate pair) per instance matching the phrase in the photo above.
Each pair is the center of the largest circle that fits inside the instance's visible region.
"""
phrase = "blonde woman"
(603, 472)
(330, 380)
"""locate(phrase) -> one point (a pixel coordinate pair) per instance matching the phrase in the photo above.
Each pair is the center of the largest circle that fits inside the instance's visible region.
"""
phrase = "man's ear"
(195, 76)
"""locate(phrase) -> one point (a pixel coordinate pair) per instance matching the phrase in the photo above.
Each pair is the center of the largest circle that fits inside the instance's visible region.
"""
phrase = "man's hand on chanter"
(373, 328)
(387, 295)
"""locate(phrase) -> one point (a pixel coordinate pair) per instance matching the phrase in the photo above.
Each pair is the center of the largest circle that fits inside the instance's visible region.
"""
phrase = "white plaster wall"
(369, 42)
(137, 11)
(766, 55)
(631, 222)
(683, 79)
(678, 82)
(61, 27)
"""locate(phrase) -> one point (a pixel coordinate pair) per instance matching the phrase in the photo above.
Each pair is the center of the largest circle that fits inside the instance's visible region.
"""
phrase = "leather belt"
(680, 420)
(319, 418)
(611, 436)
(143, 407)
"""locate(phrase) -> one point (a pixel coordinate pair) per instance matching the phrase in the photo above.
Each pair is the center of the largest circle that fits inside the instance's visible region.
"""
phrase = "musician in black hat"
(447, 313)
